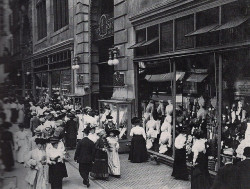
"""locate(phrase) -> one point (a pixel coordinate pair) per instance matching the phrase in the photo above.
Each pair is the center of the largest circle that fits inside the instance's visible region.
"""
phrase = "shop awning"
(197, 78)
(164, 77)
(137, 45)
(231, 24)
(150, 41)
(202, 30)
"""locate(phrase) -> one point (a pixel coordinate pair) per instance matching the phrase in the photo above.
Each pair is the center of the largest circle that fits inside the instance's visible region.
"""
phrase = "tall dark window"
(167, 36)
(184, 26)
(61, 14)
(41, 19)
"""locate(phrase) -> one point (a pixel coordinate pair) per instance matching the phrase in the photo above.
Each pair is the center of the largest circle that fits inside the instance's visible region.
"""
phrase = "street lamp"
(113, 52)
(75, 65)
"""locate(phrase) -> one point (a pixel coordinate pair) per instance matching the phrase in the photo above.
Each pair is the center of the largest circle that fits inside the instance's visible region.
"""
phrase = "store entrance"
(105, 71)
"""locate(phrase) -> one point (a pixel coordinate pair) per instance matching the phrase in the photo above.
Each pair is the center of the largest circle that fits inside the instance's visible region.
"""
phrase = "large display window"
(235, 126)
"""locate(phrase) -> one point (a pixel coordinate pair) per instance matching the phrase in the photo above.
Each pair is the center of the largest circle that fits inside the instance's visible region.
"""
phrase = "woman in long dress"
(100, 167)
(200, 177)
(21, 143)
(180, 170)
(55, 153)
(7, 111)
(113, 157)
(36, 177)
(20, 108)
(14, 111)
(138, 151)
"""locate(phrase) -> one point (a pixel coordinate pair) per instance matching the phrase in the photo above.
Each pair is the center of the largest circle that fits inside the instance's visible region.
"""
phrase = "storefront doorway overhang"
(193, 51)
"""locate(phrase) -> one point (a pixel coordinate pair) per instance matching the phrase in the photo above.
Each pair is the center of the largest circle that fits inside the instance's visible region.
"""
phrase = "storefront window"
(196, 102)
(236, 102)
(66, 81)
(167, 36)
(56, 81)
(155, 99)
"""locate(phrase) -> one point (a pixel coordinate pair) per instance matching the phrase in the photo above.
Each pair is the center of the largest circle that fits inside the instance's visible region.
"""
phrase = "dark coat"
(85, 151)
(226, 178)
(71, 128)
(244, 174)
(34, 123)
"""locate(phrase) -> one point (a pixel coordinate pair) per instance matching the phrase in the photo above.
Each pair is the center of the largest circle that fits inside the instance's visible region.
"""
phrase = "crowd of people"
(46, 131)
(49, 128)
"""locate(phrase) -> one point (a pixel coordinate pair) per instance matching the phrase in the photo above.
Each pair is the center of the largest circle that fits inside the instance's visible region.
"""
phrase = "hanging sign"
(242, 87)
(105, 27)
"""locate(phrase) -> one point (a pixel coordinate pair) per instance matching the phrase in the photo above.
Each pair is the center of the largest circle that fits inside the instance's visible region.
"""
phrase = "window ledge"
(60, 30)
(41, 40)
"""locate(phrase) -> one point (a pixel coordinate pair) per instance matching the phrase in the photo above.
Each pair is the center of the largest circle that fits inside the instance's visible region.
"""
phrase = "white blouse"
(137, 130)
(180, 141)
(52, 153)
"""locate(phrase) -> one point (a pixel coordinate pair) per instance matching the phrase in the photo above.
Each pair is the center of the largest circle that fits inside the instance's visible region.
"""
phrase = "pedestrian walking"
(6, 143)
(100, 167)
(84, 155)
(71, 128)
(36, 177)
(180, 170)
(244, 170)
(113, 156)
(138, 151)
(21, 139)
(227, 176)
(200, 177)
(34, 122)
(55, 152)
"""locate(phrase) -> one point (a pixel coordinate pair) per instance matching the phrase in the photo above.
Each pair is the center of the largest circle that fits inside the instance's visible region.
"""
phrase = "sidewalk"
(146, 175)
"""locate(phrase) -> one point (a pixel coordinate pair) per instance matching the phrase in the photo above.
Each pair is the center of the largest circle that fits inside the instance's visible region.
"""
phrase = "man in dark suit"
(34, 123)
(84, 155)
(244, 170)
(226, 177)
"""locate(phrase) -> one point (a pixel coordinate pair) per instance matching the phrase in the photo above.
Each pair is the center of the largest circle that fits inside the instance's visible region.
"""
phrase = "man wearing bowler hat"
(84, 155)
(244, 170)
(227, 177)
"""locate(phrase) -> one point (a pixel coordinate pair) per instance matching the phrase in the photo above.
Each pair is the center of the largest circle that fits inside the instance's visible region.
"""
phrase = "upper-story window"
(61, 14)
(41, 19)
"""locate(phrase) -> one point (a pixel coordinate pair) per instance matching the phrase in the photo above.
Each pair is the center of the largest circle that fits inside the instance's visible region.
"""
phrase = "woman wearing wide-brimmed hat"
(138, 151)
(55, 152)
(100, 167)
(113, 157)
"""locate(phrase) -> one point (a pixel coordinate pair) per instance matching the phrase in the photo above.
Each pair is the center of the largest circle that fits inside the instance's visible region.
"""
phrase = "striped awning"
(150, 41)
(202, 30)
(164, 77)
(197, 78)
(137, 45)
(231, 24)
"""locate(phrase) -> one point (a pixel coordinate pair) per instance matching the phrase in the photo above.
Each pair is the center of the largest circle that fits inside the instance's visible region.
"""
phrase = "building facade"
(185, 60)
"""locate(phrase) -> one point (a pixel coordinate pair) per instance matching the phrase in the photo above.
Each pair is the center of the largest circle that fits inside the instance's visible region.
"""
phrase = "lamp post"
(113, 53)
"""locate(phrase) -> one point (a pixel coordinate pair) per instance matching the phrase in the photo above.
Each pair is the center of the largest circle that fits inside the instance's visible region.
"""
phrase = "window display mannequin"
(165, 138)
(160, 109)
(113, 110)
(169, 108)
(240, 112)
(106, 112)
(148, 112)
(151, 131)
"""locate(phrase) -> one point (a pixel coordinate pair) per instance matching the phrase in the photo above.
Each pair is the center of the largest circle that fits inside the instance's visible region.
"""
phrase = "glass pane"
(55, 81)
(167, 36)
(184, 26)
(235, 103)
(123, 121)
(155, 98)
(66, 81)
(196, 105)
(38, 84)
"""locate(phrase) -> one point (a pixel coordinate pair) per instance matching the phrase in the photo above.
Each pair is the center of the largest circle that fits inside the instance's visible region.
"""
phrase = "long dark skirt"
(7, 156)
(14, 115)
(100, 169)
(57, 172)
(180, 170)
(200, 179)
(138, 151)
